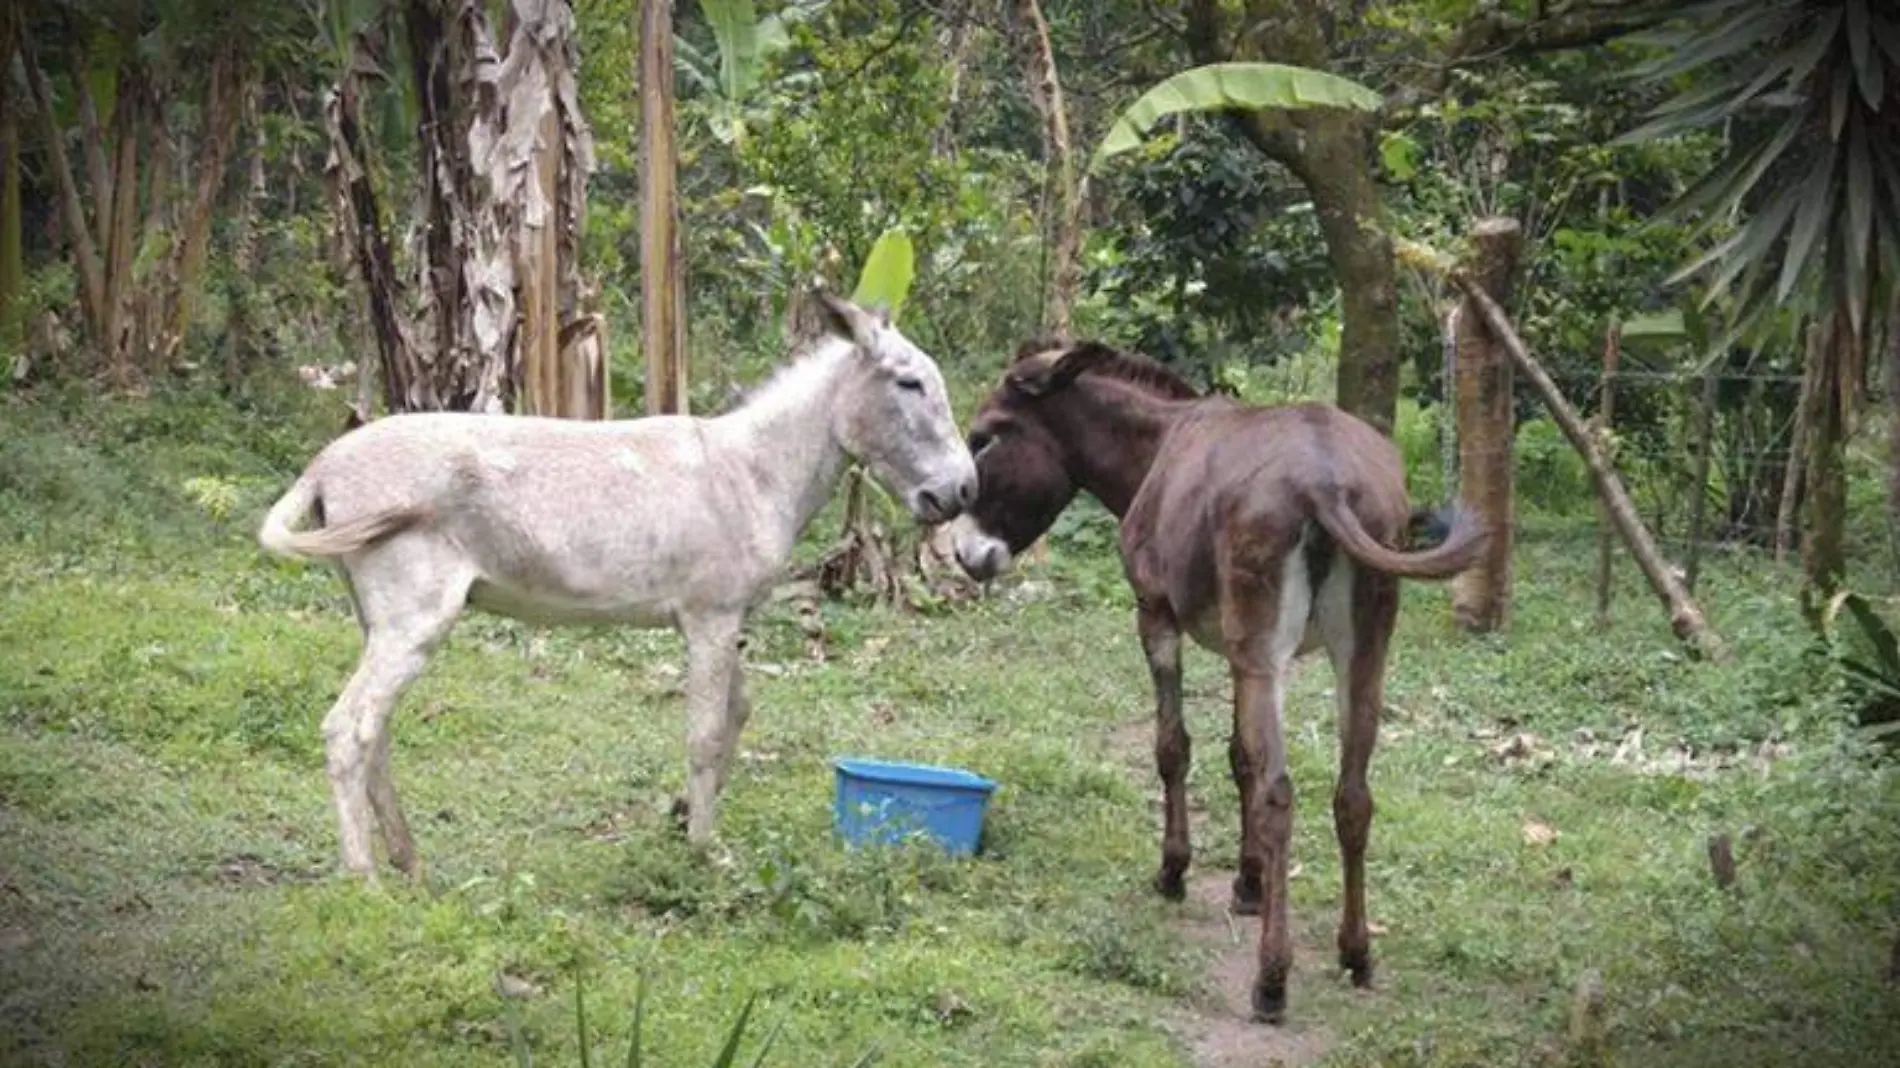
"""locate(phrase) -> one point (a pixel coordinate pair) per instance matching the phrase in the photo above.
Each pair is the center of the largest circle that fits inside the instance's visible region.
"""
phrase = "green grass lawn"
(168, 893)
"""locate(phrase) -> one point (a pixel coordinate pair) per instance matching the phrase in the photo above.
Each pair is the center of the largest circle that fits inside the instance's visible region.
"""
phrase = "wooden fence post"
(1685, 617)
(1699, 480)
(1481, 596)
(1606, 416)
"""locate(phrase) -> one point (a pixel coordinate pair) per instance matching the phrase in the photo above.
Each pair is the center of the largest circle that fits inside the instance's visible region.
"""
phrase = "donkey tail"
(279, 533)
(1464, 542)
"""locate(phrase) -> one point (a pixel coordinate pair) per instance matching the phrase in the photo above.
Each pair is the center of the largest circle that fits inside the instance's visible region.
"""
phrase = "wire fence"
(1713, 462)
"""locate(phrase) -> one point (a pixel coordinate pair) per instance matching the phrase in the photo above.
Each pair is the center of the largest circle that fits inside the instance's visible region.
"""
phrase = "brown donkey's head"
(1025, 465)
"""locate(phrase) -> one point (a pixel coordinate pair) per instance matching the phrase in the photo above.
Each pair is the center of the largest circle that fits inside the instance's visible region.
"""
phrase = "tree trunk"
(662, 281)
(1065, 225)
(468, 284)
(956, 41)
(1481, 596)
(1685, 617)
(121, 229)
(1823, 556)
(1337, 172)
(79, 231)
(540, 152)
(241, 344)
(1893, 417)
(1330, 152)
(12, 258)
(361, 217)
(536, 260)
(217, 136)
(157, 289)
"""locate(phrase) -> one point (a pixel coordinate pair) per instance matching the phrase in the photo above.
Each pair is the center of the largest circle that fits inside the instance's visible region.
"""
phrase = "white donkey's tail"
(279, 533)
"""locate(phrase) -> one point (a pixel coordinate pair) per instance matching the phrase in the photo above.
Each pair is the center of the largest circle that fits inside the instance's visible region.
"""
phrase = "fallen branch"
(1685, 618)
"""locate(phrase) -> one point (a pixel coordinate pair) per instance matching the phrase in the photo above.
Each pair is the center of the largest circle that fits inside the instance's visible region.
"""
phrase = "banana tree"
(744, 43)
(1218, 87)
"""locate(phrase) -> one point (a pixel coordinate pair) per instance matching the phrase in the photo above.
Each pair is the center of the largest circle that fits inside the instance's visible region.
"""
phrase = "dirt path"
(1220, 1032)
(1218, 1029)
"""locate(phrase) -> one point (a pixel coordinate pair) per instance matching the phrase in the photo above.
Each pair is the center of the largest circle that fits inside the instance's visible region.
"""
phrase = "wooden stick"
(1685, 618)
(1699, 480)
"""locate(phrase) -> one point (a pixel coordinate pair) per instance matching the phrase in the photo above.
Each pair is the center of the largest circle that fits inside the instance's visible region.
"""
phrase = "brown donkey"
(1259, 532)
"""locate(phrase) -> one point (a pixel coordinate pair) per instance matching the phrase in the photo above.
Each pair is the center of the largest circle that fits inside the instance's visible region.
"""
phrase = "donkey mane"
(803, 363)
(1109, 362)
(1146, 373)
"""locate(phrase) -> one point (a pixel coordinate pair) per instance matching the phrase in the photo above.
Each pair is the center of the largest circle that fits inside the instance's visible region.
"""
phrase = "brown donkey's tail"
(1463, 543)
(279, 533)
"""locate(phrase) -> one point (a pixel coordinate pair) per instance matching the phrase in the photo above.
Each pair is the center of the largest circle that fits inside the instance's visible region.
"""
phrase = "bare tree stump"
(1481, 596)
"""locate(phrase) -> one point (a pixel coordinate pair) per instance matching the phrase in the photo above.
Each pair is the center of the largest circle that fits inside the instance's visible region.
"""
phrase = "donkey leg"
(1245, 900)
(1357, 611)
(407, 601)
(1161, 643)
(712, 654)
(400, 658)
(356, 745)
(1264, 612)
(738, 710)
(389, 814)
(1258, 700)
(344, 763)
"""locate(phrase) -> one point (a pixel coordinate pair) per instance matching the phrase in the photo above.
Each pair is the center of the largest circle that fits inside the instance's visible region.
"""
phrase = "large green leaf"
(1816, 201)
(735, 27)
(1860, 45)
(885, 279)
(1220, 86)
(1751, 31)
(730, 1051)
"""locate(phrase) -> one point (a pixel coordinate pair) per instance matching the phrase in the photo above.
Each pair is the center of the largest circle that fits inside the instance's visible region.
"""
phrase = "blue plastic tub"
(880, 802)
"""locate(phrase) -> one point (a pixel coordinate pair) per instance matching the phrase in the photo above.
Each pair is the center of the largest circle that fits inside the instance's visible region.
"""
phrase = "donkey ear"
(834, 312)
(844, 319)
(1041, 375)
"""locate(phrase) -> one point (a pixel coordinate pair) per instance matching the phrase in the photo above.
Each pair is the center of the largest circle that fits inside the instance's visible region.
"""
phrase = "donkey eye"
(915, 385)
(981, 441)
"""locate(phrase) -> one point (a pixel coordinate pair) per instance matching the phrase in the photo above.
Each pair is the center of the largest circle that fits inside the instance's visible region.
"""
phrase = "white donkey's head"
(892, 414)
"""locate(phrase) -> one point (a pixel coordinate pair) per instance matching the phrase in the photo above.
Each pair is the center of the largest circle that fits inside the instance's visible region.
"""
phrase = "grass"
(167, 885)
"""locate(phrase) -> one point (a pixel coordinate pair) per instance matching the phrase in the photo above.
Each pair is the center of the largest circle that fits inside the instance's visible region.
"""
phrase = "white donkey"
(669, 521)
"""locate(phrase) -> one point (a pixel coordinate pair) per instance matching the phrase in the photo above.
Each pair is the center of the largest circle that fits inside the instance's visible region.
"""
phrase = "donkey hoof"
(1269, 1002)
(1246, 898)
(677, 813)
(1170, 885)
(1359, 963)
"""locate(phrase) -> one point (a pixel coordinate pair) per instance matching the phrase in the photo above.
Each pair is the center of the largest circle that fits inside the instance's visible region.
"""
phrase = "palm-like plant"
(1810, 90)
